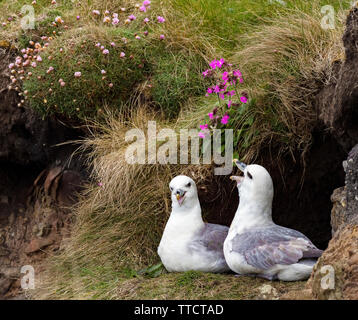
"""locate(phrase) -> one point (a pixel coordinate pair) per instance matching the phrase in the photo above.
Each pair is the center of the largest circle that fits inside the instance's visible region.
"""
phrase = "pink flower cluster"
(227, 79)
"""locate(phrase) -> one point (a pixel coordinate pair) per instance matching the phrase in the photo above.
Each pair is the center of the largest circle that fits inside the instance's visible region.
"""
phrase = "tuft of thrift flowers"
(225, 81)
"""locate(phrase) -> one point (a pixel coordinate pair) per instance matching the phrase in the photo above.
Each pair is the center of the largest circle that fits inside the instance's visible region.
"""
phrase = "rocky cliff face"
(36, 180)
(341, 257)
(336, 274)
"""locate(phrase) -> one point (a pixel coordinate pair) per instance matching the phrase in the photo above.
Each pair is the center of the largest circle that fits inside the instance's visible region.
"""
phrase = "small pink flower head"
(243, 99)
(113, 44)
(103, 71)
(122, 55)
(146, 3)
(106, 19)
(78, 74)
(145, 32)
(132, 17)
(38, 59)
(78, 17)
(237, 73)
(201, 135)
(106, 12)
(111, 85)
(211, 115)
(160, 19)
(53, 2)
(209, 90)
(11, 65)
(137, 37)
(162, 37)
(229, 104)
(212, 64)
(105, 51)
(100, 184)
(231, 93)
(62, 84)
(34, 64)
(146, 20)
(225, 119)
(143, 8)
(96, 12)
(97, 44)
(102, 48)
(205, 73)
(115, 15)
(115, 21)
(204, 126)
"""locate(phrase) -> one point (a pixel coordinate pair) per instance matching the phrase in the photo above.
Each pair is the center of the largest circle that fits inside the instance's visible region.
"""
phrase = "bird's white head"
(256, 185)
(183, 192)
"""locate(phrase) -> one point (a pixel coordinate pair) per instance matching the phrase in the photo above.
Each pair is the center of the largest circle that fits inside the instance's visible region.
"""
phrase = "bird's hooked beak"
(240, 164)
(180, 195)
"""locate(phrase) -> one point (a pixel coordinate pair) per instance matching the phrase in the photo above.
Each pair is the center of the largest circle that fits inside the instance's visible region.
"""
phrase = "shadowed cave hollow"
(305, 207)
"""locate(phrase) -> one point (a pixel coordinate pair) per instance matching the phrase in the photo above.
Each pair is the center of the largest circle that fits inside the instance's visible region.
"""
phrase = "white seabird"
(188, 243)
(255, 245)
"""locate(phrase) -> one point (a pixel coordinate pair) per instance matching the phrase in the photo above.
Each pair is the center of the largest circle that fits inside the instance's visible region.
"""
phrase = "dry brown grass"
(120, 223)
(285, 64)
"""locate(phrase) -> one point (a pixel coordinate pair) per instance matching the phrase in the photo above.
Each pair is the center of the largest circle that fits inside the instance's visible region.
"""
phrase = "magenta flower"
(146, 3)
(212, 64)
(113, 44)
(210, 90)
(78, 74)
(229, 104)
(204, 126)
(217, 89)
(78, 17)
(143, 8)
(105, 51)
(122, 55)
(211, 115)
(11, 65)
(243, 99)
(237, 73)
(161, 37)
(225, 75)
(132, 17)
(231, 93)
(103, 71)
(115, 21)
(160, 19)
(225, 119)
(33, 64)
(96, 12)
(222, 96)
(146, 20)
(39, 59)
(205, 73)
(201, 135)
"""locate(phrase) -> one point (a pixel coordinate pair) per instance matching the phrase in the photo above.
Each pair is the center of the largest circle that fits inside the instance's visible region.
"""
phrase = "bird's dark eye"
(188, 185)
(171, 189)
(249, 175)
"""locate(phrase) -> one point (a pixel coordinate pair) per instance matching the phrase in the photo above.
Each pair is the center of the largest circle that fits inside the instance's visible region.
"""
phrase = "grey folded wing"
(210, 238)
(265, 247)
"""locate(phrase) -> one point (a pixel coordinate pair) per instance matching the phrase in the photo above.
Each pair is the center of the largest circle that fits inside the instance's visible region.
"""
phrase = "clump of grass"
(118, 224)
(285, 64)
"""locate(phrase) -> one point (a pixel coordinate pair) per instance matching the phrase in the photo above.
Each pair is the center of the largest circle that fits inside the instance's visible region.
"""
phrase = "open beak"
(180, 195)
(240, 164)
